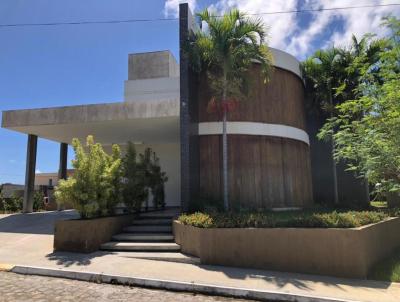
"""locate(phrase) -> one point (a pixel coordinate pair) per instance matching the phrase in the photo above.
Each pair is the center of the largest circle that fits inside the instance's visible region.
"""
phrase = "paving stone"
(22, 288)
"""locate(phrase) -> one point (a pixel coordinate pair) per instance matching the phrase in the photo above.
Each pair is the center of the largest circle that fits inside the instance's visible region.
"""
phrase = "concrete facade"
(159, 110)
(152, 65)
(149, 116)
(153, 114)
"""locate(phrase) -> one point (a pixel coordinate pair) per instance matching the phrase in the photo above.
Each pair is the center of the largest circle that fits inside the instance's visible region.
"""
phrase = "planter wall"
(86, 236)
(334, 252)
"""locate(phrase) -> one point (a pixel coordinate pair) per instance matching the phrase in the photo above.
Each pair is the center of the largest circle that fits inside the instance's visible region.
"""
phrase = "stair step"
(164, 256)
(141, 246)
(157, 221)
(145, 237)
(156, 216)
(148, 229)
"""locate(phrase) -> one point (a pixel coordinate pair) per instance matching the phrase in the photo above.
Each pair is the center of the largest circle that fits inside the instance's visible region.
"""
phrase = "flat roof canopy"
(148, 122)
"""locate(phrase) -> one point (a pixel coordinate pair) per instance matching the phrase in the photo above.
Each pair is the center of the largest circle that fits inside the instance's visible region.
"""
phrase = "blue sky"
(69, 65)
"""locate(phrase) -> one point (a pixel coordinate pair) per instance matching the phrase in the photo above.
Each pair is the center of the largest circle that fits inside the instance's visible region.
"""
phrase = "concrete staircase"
(150, 232)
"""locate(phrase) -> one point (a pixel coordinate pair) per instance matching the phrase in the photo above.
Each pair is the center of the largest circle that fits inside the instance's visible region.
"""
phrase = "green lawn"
(387, 270)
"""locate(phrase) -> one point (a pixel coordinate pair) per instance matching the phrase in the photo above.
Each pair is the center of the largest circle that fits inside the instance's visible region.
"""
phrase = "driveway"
(25, 236)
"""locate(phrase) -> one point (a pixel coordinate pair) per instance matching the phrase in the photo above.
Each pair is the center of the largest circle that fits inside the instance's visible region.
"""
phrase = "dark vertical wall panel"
(188, 115)
(352, 190)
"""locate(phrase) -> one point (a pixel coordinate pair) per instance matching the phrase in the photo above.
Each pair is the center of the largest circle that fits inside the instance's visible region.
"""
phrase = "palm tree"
(333, 75)
(226, 48)
(324, 71)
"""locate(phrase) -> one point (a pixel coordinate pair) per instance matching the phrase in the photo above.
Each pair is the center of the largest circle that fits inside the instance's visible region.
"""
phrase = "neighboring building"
(164, 108)
(9, 190)
(49, 179)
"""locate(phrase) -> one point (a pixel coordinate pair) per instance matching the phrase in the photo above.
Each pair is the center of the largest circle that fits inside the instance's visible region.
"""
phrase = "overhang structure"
(148, 117)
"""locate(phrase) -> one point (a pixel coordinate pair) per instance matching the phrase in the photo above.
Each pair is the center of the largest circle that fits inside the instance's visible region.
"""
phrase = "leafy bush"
(305, 219)
(388, 269)
(13, 204)
(154, 177)
(142, 176)
(197, 219)
(133, 187)
(38, 201)
(94, 189)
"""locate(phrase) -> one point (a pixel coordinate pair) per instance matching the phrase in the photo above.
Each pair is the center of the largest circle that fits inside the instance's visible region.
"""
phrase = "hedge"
(303, 219)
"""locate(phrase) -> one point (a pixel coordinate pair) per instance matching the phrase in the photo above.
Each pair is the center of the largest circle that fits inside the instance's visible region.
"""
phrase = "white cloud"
(353, 21)
(288, 34)
(37, 171)
(12, 161)
(281, 26)
(171, 7)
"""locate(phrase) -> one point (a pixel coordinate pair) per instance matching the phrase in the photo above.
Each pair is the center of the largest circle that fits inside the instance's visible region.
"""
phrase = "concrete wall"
(149, 65)
(150, 90)
(86, 235)
(335, 252)
(152, 76)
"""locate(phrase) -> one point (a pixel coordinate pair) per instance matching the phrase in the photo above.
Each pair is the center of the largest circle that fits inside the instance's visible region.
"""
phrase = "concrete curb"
(207, 289)
(5, 267)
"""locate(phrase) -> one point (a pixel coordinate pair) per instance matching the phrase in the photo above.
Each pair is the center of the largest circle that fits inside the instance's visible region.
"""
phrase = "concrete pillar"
(62, 171)
(184, 106)
(30, 173)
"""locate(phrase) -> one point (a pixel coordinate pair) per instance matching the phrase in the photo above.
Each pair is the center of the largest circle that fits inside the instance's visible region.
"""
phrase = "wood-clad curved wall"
(264, 171)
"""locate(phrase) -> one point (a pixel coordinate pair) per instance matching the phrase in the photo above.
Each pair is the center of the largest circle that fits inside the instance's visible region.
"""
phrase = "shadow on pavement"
(68, 259)
(282, 279)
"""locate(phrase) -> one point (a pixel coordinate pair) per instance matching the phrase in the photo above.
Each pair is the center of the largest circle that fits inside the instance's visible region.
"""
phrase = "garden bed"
(86, 235)
(342, 252)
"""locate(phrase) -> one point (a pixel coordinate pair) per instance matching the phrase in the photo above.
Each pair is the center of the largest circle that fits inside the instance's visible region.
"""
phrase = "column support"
(30, 173)
(62, 171)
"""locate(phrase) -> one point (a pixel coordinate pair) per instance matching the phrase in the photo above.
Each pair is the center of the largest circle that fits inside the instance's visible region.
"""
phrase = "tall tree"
(323, 73)
(226, 48)
(367, 127)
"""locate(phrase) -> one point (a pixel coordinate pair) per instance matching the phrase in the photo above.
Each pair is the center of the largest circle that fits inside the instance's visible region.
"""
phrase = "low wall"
(86, 235)
(334, 252)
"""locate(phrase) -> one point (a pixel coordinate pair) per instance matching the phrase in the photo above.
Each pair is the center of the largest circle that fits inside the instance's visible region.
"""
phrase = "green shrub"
(94, 188)
(197, 219)
(141, 176)
(387, 269)
(13, 204)
(306, 219)
(133, 187)
(38, 201)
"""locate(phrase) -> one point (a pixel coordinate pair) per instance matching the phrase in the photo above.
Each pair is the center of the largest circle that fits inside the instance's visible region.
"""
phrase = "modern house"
(164, 108)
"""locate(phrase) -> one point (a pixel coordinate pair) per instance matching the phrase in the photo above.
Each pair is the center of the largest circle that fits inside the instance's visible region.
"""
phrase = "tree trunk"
(334, 168)
(225, 161)
(225, 149)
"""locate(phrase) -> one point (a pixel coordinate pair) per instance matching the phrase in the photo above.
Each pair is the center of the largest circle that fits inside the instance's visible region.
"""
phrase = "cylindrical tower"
(268, 156)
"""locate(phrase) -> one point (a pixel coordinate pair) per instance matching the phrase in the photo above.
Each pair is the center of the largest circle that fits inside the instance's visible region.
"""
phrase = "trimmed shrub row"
(303, 219)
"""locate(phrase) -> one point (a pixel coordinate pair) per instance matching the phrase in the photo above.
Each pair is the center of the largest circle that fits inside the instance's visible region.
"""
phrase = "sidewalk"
(35, 250)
